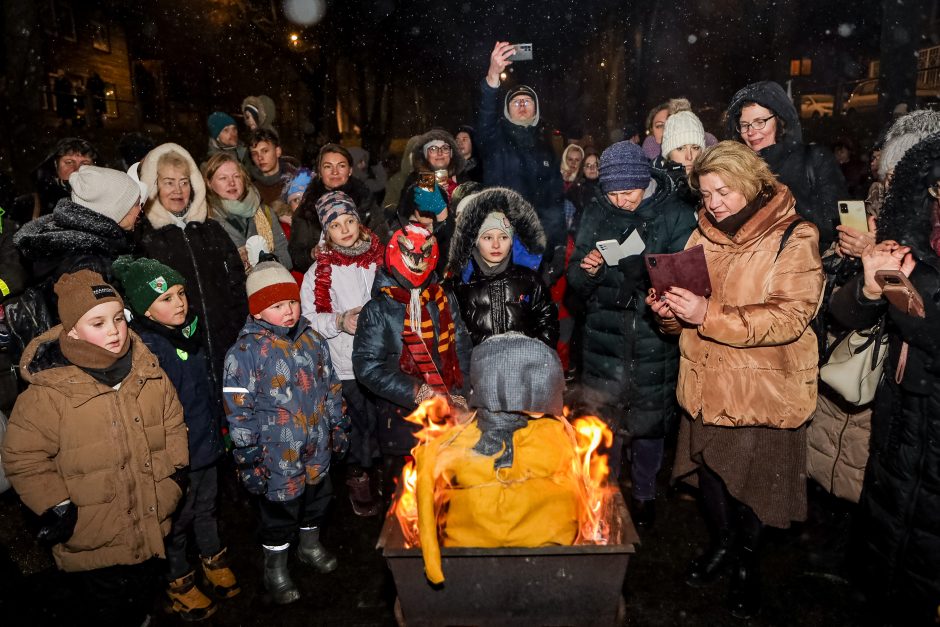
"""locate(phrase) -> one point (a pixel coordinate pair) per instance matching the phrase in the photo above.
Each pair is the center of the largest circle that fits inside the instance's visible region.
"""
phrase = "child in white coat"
(333, 292)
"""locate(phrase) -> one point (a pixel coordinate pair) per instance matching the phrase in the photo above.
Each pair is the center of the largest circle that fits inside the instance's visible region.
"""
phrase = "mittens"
(430, 201)
(249, 464)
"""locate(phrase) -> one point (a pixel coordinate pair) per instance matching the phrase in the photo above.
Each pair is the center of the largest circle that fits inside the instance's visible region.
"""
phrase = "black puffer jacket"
(810, 171)
(629, 368)
(305, 227)
(900, 500)
(215, 280)
(376, 353)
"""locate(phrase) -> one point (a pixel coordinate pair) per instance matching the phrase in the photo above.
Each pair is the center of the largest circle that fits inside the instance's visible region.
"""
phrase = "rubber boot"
(360, 494)
(277, 579)
(312, 553)
(706, 568)
(187, 601)
(744, 592)
(219, 578)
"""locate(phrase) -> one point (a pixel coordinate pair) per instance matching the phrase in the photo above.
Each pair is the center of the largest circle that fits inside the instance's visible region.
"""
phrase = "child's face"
(494, 245)
(283, 313)
(170, 308)
(103, 325)
(344, 231)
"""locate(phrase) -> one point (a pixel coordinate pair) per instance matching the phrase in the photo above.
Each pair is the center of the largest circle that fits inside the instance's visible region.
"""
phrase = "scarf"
(485, 267)
(496, 432)
(328, 256)
(733, 223)
(418, 320)
(87, 356)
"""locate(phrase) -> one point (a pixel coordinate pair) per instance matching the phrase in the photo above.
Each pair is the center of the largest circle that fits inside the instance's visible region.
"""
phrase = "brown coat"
(110, 451)
(753, 361)
(837, 450)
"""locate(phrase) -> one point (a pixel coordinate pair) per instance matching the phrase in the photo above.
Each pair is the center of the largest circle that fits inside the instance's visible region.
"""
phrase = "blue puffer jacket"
(522, 159)
(184, 361)
(376, 353)
(282, 394)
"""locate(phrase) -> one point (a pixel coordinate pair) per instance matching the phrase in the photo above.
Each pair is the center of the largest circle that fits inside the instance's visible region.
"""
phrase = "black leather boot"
(707, 568)
(744, 592)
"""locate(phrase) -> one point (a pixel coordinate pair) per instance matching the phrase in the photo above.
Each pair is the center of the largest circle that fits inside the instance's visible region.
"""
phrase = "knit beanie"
(298, 184)
(78, 292)
(268, 283)
(218, 120)
(333, 205)
(144, 280)
(434, 143)
(111, 193)
(682, 128)
(496, 220)
(624, 167)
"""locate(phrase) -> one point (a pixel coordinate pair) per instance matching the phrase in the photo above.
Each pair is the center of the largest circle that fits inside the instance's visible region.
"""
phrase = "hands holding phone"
(886, 255)
(853, 242)
(499, 61)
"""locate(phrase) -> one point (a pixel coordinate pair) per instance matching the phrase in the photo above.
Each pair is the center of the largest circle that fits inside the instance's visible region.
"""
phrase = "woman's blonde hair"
(739, 167)
(173, 159)
(212, 166)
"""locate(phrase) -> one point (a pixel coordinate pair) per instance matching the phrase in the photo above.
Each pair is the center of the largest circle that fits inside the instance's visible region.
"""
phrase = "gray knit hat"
(111, 193)
(623, 167)
(682, 128)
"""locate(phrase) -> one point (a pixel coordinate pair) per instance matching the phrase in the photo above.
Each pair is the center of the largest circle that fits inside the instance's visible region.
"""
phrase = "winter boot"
(706, 568)
(187, 601)
(277, 579)
(219, 578)
(360, 494)
(744, 592)
(312, 553)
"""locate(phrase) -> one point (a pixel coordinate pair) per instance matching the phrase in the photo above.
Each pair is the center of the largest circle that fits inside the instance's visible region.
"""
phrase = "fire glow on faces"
(343, 231)
(173, 188)
(411, 255)
(720, 199)
(265, 155)
(284, 313)
(103, 325)
(170, 308)
(494, 245)
(334, 170)
(753, 116)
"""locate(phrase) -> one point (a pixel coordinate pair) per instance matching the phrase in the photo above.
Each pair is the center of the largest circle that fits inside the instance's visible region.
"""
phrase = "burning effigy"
(510, 472)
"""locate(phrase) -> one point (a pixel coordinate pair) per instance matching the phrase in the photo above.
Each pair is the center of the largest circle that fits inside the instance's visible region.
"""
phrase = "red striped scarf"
(327, 257)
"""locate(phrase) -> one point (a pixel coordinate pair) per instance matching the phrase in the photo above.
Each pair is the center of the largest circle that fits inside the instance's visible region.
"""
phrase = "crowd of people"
(172, 327)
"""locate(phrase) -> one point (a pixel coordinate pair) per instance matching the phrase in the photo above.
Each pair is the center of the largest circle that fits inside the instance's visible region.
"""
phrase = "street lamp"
(294, 39)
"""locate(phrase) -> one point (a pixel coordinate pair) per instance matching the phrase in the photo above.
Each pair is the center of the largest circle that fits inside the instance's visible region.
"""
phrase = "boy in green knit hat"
(156, 295)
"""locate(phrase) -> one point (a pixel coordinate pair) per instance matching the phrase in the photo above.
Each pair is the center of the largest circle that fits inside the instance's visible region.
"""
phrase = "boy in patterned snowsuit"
(283, 405)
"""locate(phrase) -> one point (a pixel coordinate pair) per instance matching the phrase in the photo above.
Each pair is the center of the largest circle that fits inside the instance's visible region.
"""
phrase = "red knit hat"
(269, 282)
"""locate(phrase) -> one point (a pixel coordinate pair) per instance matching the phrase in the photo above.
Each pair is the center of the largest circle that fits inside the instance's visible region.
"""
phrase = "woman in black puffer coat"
(500, 296)
(899, 553)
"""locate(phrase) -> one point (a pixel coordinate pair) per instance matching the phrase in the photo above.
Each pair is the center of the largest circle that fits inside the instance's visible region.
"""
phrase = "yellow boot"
(220, 580)
(187, 601)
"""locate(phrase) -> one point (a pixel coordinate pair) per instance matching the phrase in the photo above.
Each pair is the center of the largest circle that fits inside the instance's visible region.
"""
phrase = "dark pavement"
(804, 576)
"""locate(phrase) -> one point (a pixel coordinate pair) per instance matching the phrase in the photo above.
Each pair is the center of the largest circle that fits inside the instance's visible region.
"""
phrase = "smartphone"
(852, 214)
(899, 291)
(523, 52)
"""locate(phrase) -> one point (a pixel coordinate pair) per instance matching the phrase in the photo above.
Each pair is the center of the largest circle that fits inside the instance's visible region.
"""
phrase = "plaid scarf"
(446, 339)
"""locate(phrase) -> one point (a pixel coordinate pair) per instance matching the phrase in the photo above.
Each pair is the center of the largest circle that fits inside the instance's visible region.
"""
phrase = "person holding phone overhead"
(898, 509)
(748, 367)
(629, 369)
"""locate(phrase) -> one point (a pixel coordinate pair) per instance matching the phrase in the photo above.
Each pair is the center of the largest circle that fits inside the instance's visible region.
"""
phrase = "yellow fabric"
(533, 503)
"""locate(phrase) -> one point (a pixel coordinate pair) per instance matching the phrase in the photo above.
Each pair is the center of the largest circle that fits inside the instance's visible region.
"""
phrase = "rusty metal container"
(557, 585)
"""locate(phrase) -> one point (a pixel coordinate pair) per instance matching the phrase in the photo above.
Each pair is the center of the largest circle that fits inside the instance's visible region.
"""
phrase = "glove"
(57, 523)
(459, 402)
(634, 274)
(181, 478)
(340, 440)
(430, 201)
(249, 464)
(424, 393)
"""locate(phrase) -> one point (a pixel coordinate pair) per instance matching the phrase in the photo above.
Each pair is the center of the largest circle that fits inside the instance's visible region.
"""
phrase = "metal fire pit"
(557, 585)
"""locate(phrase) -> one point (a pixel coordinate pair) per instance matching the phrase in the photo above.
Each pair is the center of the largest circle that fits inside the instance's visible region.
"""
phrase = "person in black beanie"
(629, 369)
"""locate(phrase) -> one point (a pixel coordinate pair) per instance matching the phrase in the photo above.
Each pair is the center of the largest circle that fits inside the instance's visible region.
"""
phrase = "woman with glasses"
(436, 151)
(762, 117)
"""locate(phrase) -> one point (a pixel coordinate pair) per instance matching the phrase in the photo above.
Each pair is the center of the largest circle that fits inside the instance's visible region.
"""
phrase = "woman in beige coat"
(748, 365)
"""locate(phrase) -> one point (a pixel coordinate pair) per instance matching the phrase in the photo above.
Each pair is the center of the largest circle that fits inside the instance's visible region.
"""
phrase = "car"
(864, 98)
(815, 105)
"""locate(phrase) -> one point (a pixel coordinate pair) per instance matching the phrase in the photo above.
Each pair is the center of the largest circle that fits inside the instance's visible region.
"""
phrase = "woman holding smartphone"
(748, 363)
(899, 552)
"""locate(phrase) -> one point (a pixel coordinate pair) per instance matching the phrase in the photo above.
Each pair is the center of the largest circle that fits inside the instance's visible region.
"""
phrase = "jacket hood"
(516, 92)
(407, 167)
(772, 96)
(906, 132)
(906, 214)
(267, 111)
(525, 221)
(418, 161)
(158, 215)
(780, 207)
(71, 229)
(44, 364)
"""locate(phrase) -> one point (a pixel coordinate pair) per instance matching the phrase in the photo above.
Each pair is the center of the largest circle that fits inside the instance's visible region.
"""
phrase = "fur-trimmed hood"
(520, 213)
(418, 162)
(158, 215)
(906, 214)
(906, 132)
(264, 105)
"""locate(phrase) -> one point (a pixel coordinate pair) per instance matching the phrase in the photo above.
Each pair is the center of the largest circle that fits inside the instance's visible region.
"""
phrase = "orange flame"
(590, 433)
(405, 507)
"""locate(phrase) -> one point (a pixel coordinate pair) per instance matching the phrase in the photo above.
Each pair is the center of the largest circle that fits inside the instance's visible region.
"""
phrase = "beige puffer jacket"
(110, 451)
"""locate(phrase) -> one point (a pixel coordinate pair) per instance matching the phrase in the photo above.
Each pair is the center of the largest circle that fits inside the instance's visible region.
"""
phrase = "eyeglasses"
(758, 124)
(439, 150)
(522, 102)
(590, 166)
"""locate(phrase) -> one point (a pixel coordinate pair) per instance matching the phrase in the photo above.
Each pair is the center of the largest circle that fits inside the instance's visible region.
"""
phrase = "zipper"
(206, 326)
(835, 461)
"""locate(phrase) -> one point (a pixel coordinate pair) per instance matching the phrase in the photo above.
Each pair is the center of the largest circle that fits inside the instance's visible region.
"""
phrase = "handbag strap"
(878, 334)
(902, 364)
(786, 235)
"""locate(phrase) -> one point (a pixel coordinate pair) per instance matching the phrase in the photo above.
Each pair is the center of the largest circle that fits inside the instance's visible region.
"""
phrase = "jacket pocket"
(91, 489)
(98, 524)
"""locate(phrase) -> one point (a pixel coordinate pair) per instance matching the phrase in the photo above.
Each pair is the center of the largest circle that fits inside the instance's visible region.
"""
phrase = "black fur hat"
(520, 213)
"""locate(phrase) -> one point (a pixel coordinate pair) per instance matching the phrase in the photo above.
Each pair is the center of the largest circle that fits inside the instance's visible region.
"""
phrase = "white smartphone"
(852, 214)
(523, 52)
(610, 250)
